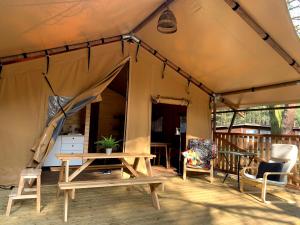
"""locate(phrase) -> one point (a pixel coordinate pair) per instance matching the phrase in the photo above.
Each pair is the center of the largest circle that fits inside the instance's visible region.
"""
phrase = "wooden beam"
(151, 16)
(263, 34)
(232, 121)
(261, 88)
(173, 66)
(178, 69)
(57, 50)
(214, 125)
(260, 109)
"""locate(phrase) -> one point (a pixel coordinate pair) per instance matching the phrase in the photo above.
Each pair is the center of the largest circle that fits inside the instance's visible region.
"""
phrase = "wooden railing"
(257, 143)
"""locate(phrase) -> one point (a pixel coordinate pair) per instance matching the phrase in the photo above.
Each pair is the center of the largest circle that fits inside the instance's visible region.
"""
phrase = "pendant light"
(167, 22)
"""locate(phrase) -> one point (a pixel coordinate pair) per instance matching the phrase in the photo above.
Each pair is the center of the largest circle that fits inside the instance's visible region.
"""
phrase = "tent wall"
(146, 81)
(24, 99)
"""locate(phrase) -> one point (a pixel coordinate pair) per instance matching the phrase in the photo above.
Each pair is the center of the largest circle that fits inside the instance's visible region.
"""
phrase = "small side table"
(239, 155)
(164, 146)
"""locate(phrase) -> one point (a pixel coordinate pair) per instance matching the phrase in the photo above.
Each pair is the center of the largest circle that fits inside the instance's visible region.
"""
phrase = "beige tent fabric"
(31, 25)
(46, 141)
(268, 97)
(146, 81)
(218, 48)
(24, 99)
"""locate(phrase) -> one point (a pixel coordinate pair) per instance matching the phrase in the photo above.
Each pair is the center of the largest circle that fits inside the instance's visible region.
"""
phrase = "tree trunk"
(275, 121)
(288, 119)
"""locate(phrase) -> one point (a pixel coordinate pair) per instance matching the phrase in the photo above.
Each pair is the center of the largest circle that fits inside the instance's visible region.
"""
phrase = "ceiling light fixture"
(167, 23)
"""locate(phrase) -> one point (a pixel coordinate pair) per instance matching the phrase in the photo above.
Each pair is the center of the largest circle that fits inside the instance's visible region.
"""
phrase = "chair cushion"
(269, 167)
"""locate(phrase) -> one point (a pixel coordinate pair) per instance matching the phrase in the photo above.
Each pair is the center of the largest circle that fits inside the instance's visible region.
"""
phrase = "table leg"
(61, 177)
(167, 158)
(158, 158)
(66, 205)
(133, 172)
(227, 161)
(153, 187)
(238, 171)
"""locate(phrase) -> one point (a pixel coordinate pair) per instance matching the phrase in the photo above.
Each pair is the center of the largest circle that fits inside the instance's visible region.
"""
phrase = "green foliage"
(254, 117)
(273, 118)
(107, 142)
(297, 119)
(276, 117)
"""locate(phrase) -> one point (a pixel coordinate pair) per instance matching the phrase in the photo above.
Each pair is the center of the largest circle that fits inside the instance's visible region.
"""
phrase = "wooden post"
(232, 122)
(214, 125)
(87, 128)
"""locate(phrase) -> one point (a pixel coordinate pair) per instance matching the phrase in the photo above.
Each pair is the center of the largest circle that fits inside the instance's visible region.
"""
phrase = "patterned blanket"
(200, 152)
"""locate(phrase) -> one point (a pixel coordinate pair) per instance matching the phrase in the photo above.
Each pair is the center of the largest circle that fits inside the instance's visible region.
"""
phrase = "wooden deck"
(194, 201)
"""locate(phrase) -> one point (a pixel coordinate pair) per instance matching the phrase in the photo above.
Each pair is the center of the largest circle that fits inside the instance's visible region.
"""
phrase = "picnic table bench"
(69, 186)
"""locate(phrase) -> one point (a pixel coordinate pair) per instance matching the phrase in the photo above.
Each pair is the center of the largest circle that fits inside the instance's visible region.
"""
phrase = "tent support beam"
(173, 66)
(261, 109)
(151, 16)
(214, 121)
(263, 34)
(177, 69)
(261, 88)
(58, 50)
(232, 122)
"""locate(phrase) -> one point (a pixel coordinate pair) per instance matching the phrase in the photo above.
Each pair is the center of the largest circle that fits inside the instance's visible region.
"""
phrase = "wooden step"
(110, 183)
(30, 173)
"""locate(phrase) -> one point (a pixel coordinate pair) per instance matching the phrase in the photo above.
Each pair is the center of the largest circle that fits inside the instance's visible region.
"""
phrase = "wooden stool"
(27, 175)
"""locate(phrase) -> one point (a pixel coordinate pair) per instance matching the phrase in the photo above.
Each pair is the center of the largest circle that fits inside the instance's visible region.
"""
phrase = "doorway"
(166, 119)
(108, 117)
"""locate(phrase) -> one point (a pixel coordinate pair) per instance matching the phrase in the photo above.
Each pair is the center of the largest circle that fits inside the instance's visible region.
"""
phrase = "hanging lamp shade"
(167, 22)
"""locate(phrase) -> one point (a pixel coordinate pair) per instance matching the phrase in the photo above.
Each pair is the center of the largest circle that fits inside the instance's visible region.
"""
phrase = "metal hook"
(1, 67)
(122, 46)
(89, 55)
(137, 51)
(47, 61)
(164, 68)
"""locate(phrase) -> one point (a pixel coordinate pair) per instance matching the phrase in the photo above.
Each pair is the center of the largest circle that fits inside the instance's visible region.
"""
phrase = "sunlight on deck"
(194, 201)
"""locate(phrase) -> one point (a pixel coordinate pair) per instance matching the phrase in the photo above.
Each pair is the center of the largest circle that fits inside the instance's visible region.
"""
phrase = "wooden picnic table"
(69, 186)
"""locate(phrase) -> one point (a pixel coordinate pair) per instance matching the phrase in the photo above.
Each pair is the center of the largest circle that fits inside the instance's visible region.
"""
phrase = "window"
(294, 9)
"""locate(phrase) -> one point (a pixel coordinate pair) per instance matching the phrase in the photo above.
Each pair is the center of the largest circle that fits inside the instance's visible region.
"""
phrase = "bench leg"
(73, 194)
(152, 186)
(9, 205)
(38, 194)
(184, 169)
(61, 177)
(66, 205)
(154, 196)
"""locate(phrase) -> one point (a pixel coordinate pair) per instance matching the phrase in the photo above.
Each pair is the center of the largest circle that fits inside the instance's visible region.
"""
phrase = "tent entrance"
(108, 117)
(164, 121)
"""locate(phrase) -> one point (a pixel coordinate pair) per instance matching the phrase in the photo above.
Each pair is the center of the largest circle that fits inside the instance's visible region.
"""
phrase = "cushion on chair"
(200, 152)
(269, 167)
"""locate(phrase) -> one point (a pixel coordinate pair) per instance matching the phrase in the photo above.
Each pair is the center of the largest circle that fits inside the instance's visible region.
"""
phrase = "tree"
(282, 121)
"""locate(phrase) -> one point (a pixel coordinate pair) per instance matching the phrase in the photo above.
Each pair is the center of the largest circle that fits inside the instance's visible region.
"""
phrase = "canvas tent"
(213, 45)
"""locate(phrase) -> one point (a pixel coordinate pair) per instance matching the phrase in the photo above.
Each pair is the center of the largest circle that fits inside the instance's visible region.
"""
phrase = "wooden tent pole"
(214, 125)
(260, 109)
(173, 66)
(58, 50)
(263, 34)
(232, 121)
(261, 88)
(180, 71)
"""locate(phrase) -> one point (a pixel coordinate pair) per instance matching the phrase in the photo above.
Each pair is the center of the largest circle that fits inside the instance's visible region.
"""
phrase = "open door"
(166, 120)
(108, 117)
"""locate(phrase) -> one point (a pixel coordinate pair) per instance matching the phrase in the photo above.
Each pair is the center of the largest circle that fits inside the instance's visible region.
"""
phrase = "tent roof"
(32, 25)
(212, 43)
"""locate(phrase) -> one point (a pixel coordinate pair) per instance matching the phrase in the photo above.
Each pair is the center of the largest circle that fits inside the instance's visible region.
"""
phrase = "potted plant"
(108, 143)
